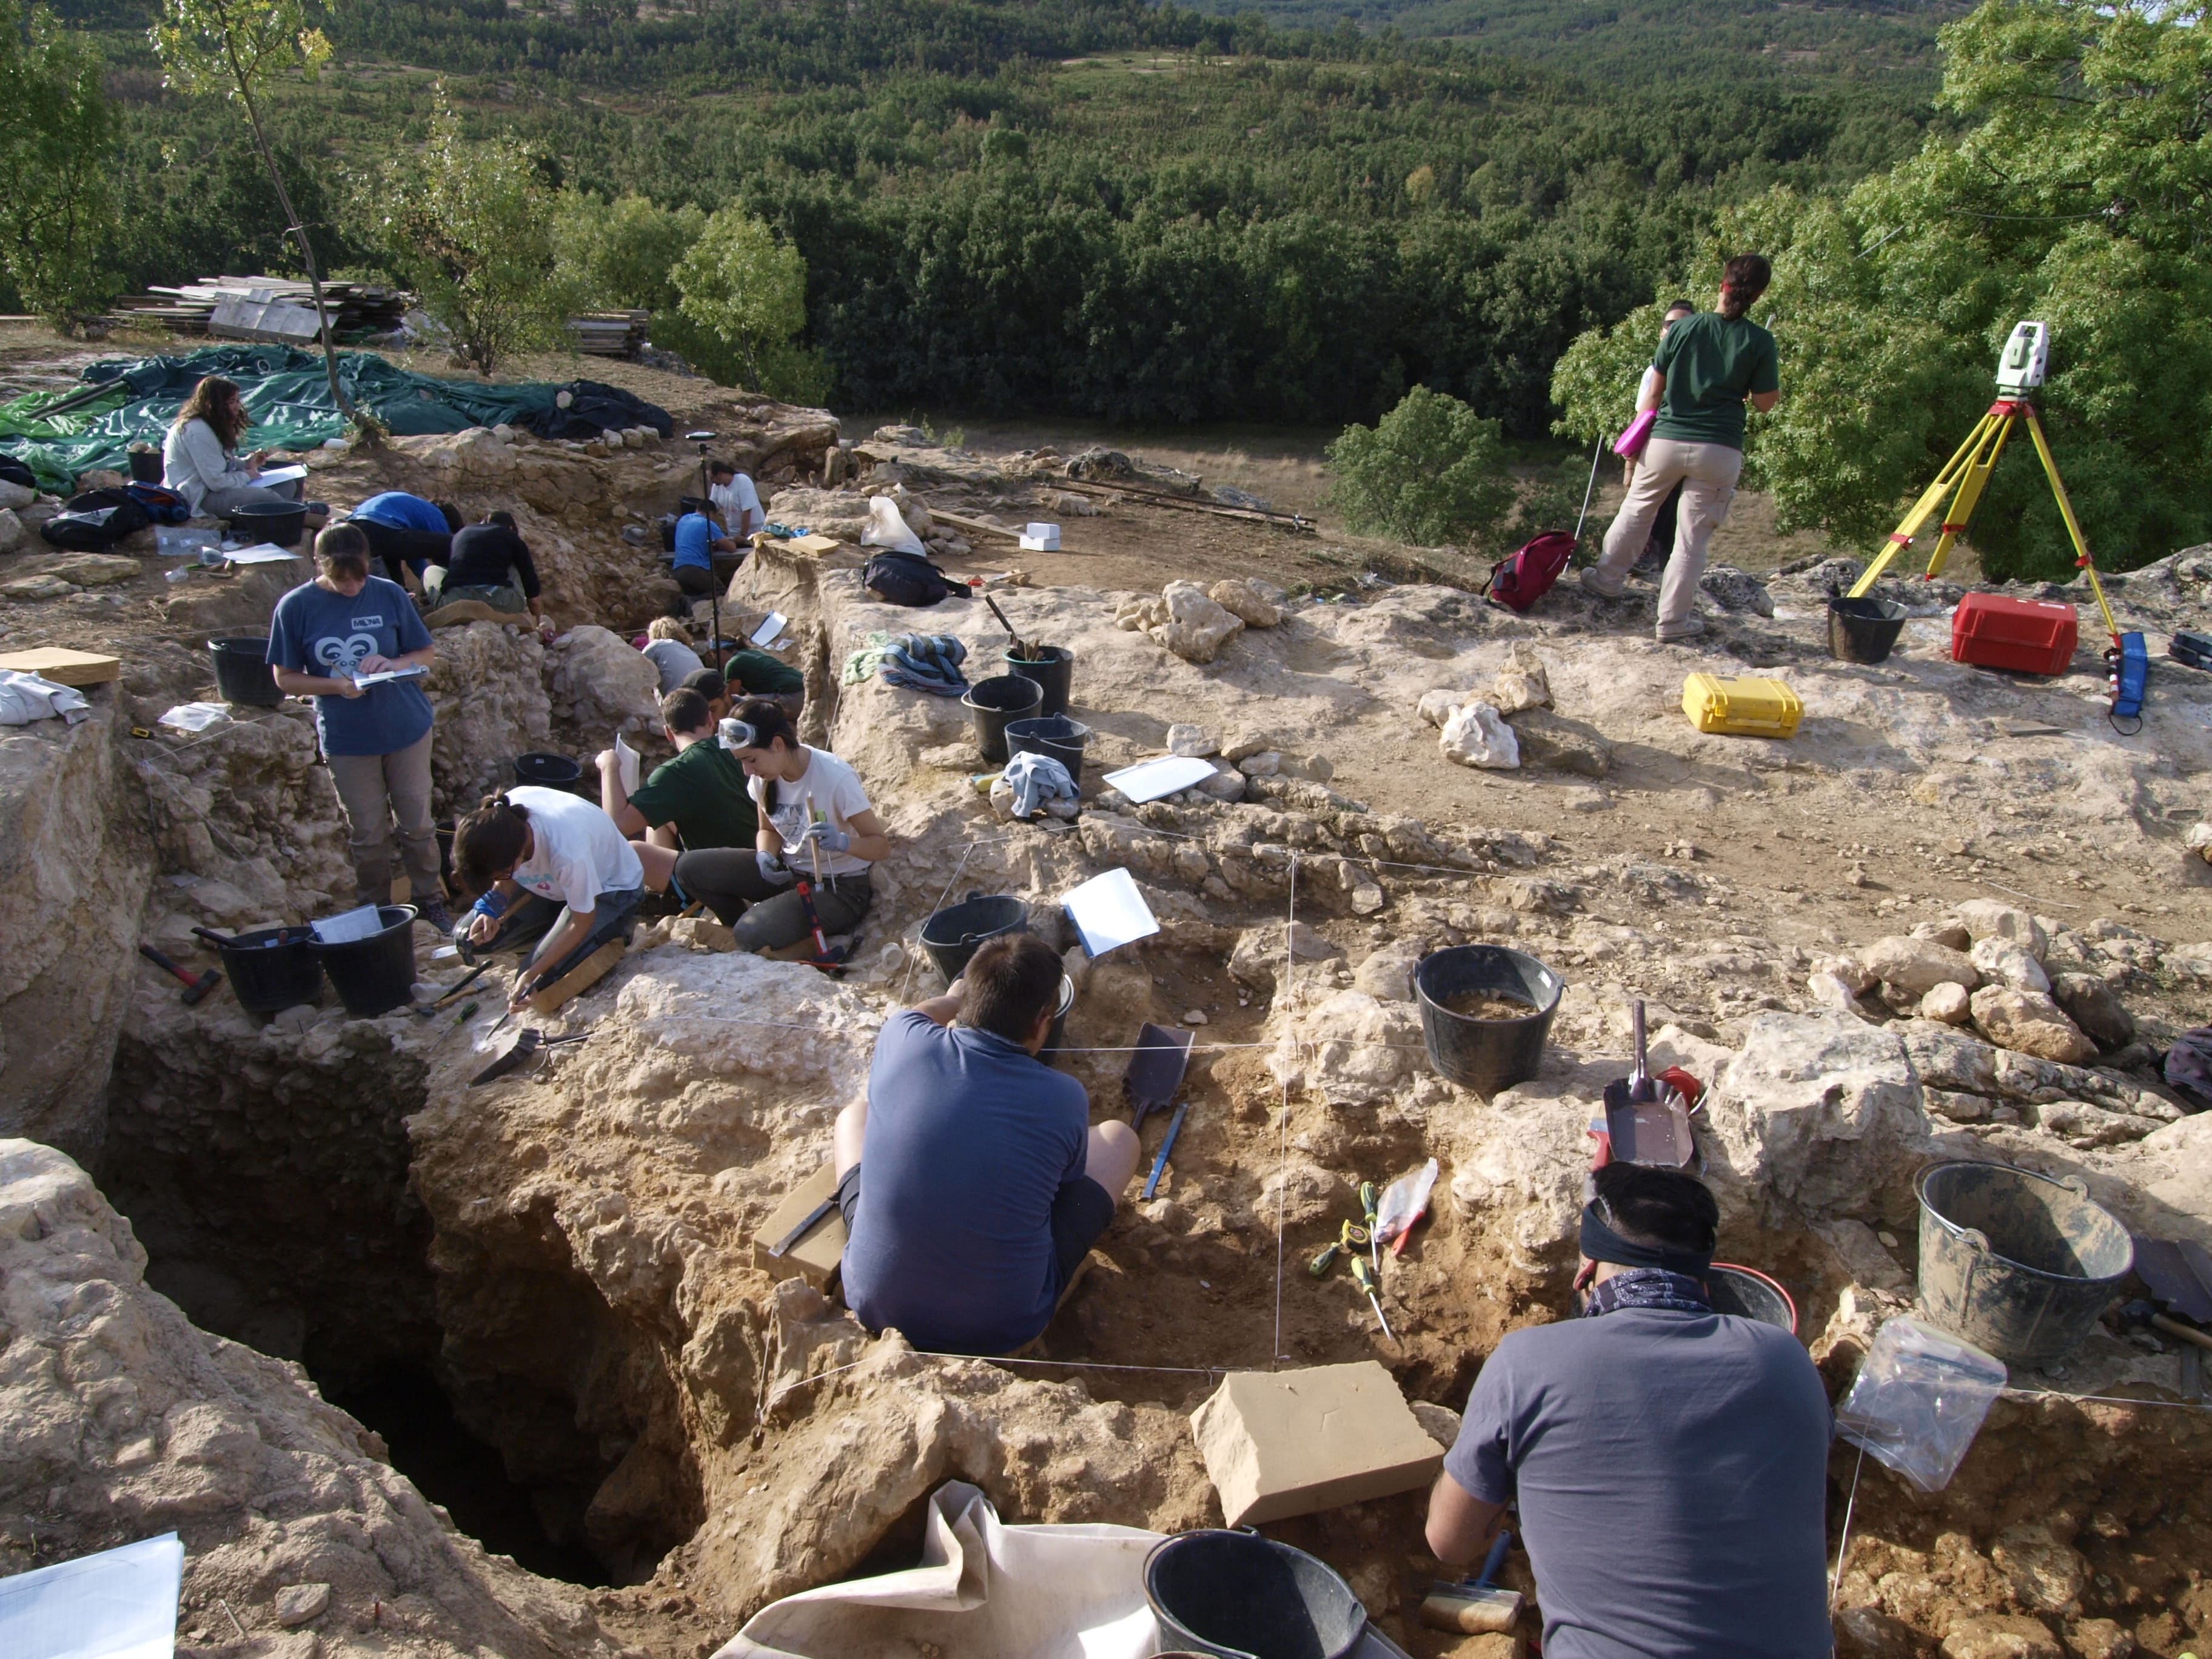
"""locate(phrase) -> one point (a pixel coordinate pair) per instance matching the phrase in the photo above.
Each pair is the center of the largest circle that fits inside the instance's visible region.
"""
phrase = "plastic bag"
(1404, 1202)
(887, 527)
(1918, 1401)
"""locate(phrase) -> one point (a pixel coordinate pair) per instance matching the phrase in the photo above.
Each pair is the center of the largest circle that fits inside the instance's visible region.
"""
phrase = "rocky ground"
(1954, 917)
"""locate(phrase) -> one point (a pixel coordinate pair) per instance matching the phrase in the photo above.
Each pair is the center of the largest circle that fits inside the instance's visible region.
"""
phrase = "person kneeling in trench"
(1670, 1463)
(971, 1184)
(551, 870)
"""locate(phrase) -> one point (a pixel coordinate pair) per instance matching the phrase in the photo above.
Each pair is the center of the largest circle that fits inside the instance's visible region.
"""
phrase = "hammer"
(196, 988)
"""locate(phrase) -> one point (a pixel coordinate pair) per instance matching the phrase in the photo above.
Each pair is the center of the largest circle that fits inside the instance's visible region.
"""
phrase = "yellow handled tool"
(1364, 1276)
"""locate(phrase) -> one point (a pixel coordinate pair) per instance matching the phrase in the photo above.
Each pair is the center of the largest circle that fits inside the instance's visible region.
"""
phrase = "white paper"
(628, 763)
(765, 635)
(272, 476)
(261, 553)
(1107, 911)
(1163, 775)
(361, 923)
(414, 671)
(119, 1604)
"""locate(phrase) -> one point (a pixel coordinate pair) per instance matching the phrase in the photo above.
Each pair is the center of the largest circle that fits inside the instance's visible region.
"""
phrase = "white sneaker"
(1593, 581)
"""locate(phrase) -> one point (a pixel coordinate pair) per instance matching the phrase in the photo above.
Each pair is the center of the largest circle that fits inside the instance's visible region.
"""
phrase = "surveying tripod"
(2020, 370)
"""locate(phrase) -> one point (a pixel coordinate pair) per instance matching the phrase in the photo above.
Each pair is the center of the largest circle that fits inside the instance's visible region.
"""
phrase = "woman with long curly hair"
(200, 460)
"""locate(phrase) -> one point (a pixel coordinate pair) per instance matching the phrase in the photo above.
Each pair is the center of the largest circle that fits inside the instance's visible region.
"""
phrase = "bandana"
(1600, 1243)
(1647, 1287)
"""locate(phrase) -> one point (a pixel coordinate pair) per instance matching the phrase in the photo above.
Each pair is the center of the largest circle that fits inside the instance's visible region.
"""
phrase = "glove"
(829, 840)
(771, 870)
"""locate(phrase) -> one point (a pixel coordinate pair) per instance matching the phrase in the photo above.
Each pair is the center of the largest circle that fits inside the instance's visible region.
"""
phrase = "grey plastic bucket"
(1237, 1595)
(2016, 1262)
(1485, 1055)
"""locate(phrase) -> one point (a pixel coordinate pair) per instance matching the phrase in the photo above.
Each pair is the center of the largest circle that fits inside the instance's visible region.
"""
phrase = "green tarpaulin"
(287, 395)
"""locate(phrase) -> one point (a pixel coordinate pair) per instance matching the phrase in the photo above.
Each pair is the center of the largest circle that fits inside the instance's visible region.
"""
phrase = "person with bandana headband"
(1669, 1463)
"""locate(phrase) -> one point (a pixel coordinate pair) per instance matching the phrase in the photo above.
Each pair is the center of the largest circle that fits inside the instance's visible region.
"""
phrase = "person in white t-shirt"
(815, 822)
(737, 503)
(549, 869)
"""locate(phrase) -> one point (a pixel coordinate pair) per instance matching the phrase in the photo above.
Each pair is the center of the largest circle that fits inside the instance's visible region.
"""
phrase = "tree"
(57, 219)
(747, 291)
(471, 225)
(1431, 472)
(234, 48)
(622, 253)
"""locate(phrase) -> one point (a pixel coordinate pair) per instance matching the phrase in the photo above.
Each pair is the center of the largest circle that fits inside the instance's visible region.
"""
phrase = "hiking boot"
(1688, 628)
(434, 913)
(1595, 580)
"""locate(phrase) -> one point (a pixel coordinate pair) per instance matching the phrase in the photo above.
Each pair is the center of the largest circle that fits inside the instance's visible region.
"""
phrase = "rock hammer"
(196, 986)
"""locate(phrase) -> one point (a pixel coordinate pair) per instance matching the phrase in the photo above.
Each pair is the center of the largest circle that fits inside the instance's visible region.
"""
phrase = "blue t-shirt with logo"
(695, 534)
(401, 511)
(316, 631)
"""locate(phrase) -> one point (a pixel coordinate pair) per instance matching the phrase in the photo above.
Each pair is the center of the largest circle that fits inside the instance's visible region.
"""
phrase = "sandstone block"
(1295, 1443)
(2002, 962)
(2029, 1023)
(1522, 683)
(1565, 745)
(1948, 1003)
(1245, 601)
(1917, 966)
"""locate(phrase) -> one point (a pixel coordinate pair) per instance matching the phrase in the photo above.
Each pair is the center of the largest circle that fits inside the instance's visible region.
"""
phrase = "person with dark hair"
(711, 685)
(971, 1181)
(698, 538)
(323, 636)
(815, 820)
(734, 497)
(699, 796)
(490, 568)
(1708, 367)
(408, 534)
(550, 873)
(757, 674)
(1669, 1463)
(200, 460)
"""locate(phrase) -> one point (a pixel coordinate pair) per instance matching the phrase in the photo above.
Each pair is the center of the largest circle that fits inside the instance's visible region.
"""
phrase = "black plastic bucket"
(374, 975)
(1061, 738)
(242, 671)
(1749, 1294)
(547, 770)
(1238, 1595)
(991, 703)
(2017, 1263)
(1054, 670)
(1863, 630)
(271, 969)
(280, 522)
(1049, 1053)
(146, 465)
(1485, 1055)
(954, 934)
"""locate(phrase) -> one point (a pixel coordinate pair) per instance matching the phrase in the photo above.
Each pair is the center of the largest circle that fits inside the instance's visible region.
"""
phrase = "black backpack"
(14, 473)
(897, 578)
(94, 521)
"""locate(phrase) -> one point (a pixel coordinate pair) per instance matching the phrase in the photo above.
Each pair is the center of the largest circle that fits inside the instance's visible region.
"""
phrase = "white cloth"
(984, 1591)
(733, 500)
(194, 461)
(25, 697)
(675, 660)
(829, 788)
(576, 851)
(887, 527)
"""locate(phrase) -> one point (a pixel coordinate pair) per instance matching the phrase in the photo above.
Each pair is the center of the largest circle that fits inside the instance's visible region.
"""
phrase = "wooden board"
(816, 1256)
(580, 979)
(967, 523)
(64, 667)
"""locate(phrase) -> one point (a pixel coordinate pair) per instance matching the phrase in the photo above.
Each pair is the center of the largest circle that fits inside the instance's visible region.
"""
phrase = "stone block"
(814, 1256)
(1277, 1443)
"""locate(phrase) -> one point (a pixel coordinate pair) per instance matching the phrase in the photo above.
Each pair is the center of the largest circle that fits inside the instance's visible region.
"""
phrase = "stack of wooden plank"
(191, 309)
(610, 333)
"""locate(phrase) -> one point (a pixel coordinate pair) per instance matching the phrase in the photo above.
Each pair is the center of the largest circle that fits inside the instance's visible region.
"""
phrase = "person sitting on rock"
(407, 534)
(735, 499)
(547, 869)
(711, 686)
(668, 648)
(757, 674)
(700, 797)
(1669, 1463)
(200, 460)
(491, 569)
(971, 1179)
(698, 538)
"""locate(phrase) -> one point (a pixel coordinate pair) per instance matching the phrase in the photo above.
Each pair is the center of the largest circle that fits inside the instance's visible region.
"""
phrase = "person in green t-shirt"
(756, 674)
(1708, 367)
(699, 796)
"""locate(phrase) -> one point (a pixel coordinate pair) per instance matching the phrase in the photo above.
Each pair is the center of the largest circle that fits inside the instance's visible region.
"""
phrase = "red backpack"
(1518, 582)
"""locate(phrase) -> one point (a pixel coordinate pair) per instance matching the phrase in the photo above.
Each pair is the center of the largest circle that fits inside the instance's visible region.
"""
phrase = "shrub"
(1431, 472)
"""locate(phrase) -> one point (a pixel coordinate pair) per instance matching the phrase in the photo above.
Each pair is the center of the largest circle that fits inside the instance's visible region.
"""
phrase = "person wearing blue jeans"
(551, 875)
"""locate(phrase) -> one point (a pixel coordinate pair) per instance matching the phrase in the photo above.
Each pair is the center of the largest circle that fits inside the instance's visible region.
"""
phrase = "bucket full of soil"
(1486, 1014)
(1053, 668)
(1863, 630)
(373, 975)
(1058, 737)
(2017, 1263)
(1236, 1595)
(991, 703)
(271, 969)
(954, 934)
(1748, 1293)
(242, 671)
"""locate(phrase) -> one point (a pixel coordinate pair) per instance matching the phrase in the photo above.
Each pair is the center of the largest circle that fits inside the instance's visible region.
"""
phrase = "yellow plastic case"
(1745, 708)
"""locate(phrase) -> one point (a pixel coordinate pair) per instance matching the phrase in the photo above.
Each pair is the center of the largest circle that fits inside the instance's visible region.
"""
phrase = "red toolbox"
(2035, 636)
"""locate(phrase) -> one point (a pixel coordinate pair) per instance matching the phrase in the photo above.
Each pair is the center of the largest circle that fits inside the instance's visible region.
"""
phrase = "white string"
(981, 1359)
(1843, 1542)
(1283, 1121)
(1597, 450)
(2104, 1399)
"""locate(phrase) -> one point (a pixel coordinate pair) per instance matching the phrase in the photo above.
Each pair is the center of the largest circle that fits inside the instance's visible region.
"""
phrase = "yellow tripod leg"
(1946, 481)
(1970, 494)
(2073, 525)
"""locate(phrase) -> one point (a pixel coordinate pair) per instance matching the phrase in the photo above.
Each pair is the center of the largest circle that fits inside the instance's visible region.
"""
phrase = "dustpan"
(1647, 1121)
(1155, 1069)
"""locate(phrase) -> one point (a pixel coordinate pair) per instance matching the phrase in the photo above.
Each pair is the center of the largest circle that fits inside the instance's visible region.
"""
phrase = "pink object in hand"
(1630, 444)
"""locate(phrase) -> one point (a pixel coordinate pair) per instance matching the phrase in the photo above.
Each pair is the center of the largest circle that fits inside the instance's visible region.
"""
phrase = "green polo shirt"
(761, 675)
(1710, 365)
(702, 792)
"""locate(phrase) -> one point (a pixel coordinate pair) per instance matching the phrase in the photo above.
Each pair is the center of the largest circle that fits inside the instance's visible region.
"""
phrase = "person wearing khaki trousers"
(1708, 369)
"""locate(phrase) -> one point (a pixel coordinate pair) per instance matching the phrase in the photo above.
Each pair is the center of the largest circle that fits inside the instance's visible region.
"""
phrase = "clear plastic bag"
(887, 527)
(1919, 1400)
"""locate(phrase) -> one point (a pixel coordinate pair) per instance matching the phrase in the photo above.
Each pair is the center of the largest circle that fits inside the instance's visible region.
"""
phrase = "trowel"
(520, 1048)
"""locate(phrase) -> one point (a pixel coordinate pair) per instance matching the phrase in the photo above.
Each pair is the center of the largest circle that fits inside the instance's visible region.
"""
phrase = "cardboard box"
(1292, 1442)
(63, 667)
(816, 1256)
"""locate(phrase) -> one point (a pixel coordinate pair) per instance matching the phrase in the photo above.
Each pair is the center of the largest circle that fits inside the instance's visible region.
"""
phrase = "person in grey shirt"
(1669, 1463)
(199, 458)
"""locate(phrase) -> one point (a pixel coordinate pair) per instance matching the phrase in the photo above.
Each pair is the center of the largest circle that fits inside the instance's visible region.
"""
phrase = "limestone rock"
(12, 533)
(1351, 1050)
(1917, 966)
(1257, 959)
(2001, 962)
(1522, 683)
(1548, 739)
(487, 689)
(2046, 1575)
(1518, 1169)
(1387, 975)
(2001, 1636)
(1227, 784)
(2095, 1007)
(1193, 627)
(2029, 1023)
(1184, 738)
(1948, 932)
(1440, 1423)
(1829, 992)
(1477, 735)
(703, 934)
(1244, 599)
(298, 1604)
(1848, 969)
(1947, 1002)
(1995, 919)
(2098, 1638)
(90, 569)
(1436, 706)
(1265, 764)
(2078, 1123)
(1736, 590)
(599, 684)
(13, 494)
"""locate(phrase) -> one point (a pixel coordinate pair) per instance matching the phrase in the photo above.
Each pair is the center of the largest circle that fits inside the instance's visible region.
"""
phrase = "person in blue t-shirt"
(698, 538)
(406, 533)
(971, 1182)
(324, 637)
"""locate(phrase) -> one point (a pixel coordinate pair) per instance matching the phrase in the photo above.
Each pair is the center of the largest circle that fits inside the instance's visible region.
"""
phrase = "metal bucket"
(2016, 1262)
